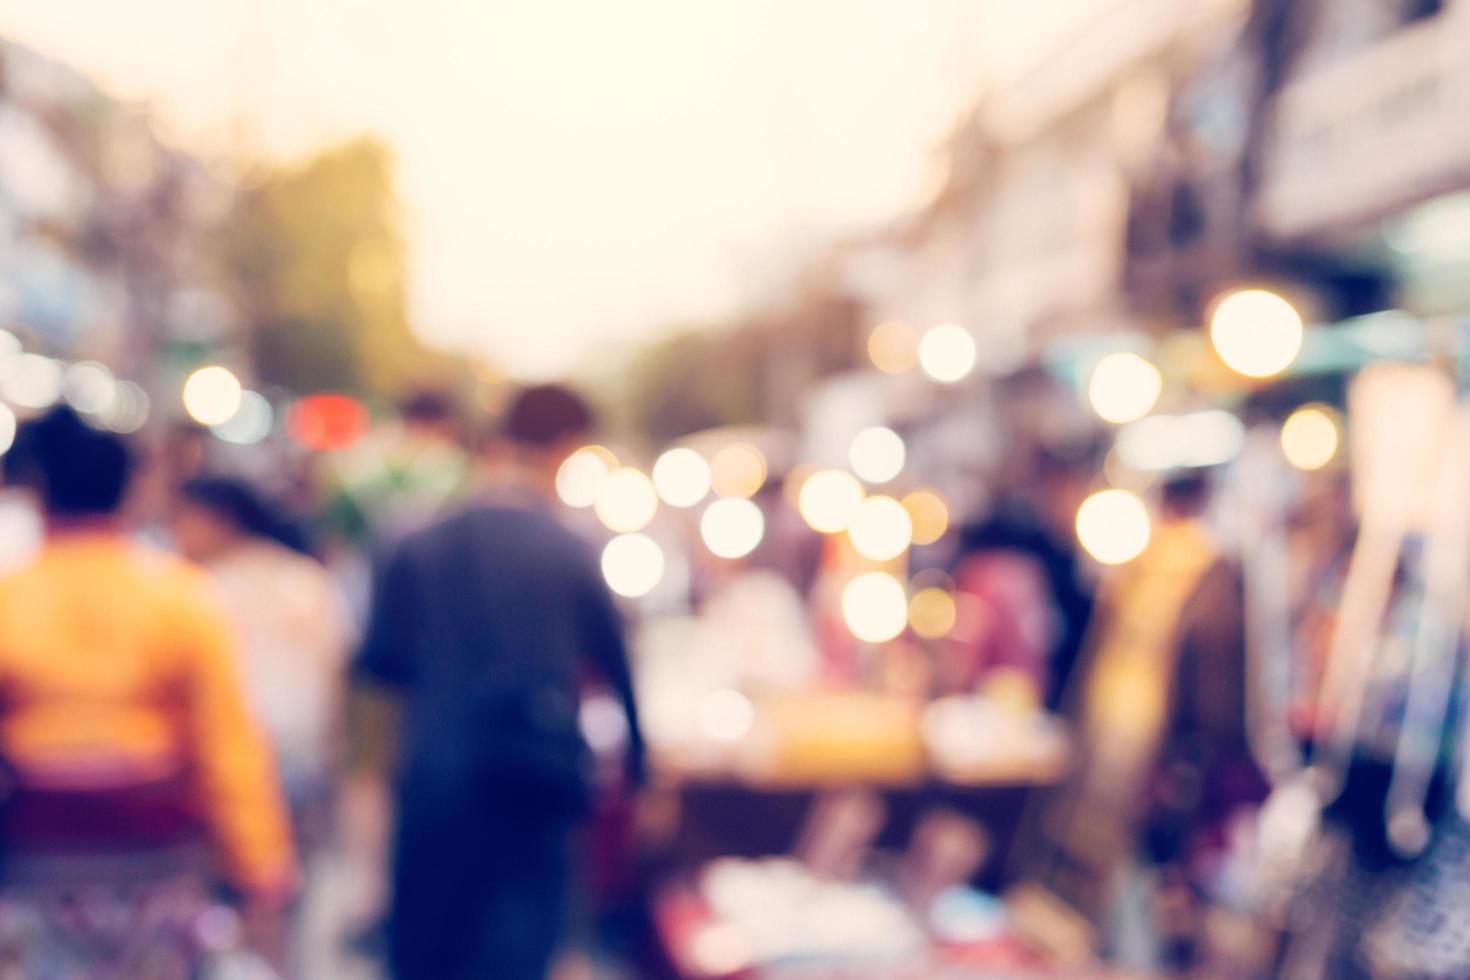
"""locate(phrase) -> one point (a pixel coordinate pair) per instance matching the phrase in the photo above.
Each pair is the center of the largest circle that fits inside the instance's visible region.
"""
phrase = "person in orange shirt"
(136, 773)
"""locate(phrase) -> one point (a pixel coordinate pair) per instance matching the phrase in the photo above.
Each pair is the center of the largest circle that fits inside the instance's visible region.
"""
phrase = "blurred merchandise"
(972, 741)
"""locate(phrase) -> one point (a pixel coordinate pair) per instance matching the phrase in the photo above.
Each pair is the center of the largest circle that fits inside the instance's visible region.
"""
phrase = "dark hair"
(1187, 492)
(245, 508)
(543, 415)
(430, 406)
(75, 469)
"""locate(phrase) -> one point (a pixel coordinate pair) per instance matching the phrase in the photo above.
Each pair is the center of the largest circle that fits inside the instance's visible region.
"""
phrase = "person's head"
(1186, 495)
(215, 514)
(1057, 480)
(431, 413)
(541, 426)
(184, 451)
(77, 473)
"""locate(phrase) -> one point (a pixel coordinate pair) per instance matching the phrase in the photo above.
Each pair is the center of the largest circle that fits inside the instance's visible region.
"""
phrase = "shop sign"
(1360, 138)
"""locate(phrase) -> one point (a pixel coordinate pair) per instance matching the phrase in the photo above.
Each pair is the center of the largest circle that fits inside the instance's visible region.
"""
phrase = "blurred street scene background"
(822, 490)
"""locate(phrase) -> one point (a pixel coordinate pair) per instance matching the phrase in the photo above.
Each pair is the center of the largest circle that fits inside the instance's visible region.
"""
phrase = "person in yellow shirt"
(135, 772)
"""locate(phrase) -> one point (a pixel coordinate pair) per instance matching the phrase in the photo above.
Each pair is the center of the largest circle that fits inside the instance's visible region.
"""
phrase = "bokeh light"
(829, 500)
(1124, 387)
(1310, 437)
(893, 347)
(1120, 471)
(726, 716)
(738, 470)
(626, 501)
(1166, 442)
(929, 514)
(129, 410)
(327, 422)
(732, 527)
(794, 482)
(877, 454)
(603, 724)
(681, 477)
(932, 613)
(633, 565)
(250, 424)
(581, 475)
(947, 353)
(1113, 526)
(881, 529)
(1256, 333)
(212, 395)
(89, 387)
(31, 381)
(8, 426)
(720, 949)
(875, 607)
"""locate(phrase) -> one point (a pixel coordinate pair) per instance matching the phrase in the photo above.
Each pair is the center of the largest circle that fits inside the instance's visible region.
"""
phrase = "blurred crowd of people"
(201, 697)
(212, 687)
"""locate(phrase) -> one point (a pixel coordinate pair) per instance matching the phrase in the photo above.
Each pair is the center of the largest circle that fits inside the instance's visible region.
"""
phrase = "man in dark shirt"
(483, 622)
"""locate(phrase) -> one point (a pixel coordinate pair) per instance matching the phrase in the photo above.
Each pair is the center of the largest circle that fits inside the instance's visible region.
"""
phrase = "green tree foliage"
(751, 369)
(697, 380)
(316, 256)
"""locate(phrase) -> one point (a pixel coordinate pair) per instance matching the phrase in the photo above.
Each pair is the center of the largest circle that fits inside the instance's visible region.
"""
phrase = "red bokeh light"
(327, 422)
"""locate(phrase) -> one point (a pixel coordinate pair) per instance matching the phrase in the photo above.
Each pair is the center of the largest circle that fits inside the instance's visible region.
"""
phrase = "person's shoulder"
(427, 537)
(512, 532)
(165, 567)
(133, 563)
(178, 582)
(266, 553)
(429, 542)
(497, 518)
(165, 583)
(284, 568)
(16, 579)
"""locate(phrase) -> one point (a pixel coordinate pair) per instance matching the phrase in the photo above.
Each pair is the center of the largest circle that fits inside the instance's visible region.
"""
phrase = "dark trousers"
(478, 894)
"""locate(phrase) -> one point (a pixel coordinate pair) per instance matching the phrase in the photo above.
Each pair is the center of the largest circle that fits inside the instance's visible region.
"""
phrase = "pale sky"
(576, 175)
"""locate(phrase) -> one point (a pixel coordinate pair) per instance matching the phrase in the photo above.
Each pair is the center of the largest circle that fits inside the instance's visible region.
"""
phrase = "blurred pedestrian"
(405, 474)
(291, 618)
(126, 735)
(484, 622)
(1010, 621)
(1024, 607)
(1204, 774)
(399, 478)
(1139, 831)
